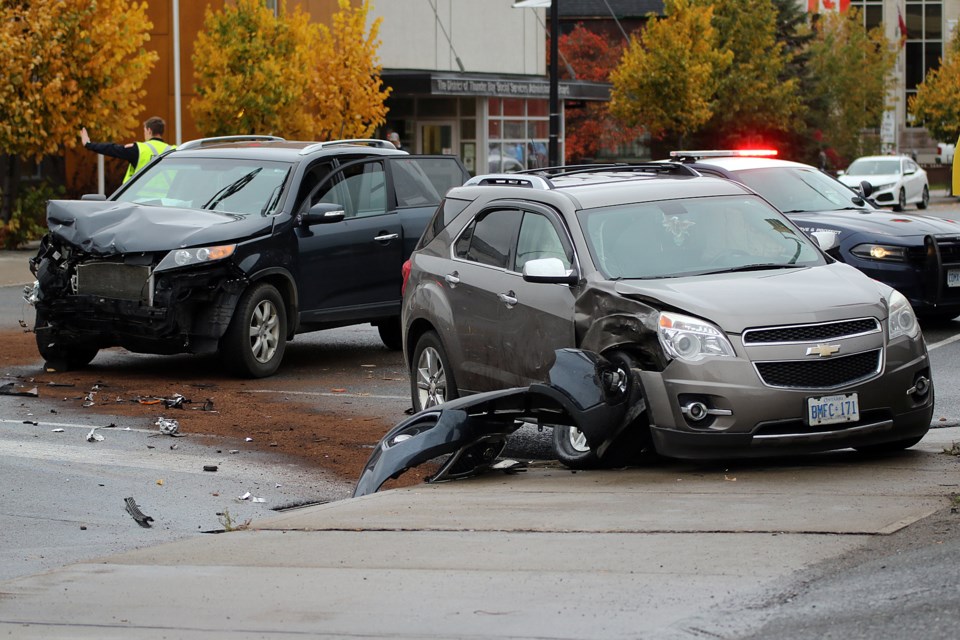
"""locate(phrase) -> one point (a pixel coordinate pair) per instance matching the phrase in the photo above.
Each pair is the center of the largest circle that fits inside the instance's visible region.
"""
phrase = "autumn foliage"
(69, 64)
(937, 101)
(260, 73)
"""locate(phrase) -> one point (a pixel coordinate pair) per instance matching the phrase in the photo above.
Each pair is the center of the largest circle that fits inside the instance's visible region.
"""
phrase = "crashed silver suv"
(729, 331)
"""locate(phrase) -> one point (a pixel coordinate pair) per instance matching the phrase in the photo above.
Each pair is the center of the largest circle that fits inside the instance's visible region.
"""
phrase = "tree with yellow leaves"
(937, 101)
(260, 73)
(68, 64)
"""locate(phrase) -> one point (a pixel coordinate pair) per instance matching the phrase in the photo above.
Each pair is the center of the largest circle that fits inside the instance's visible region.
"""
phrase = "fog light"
(920, 388)
(696, 411)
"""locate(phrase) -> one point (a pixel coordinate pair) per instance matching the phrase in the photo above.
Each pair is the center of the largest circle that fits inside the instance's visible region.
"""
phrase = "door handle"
(387, 236)
(452, 278)
(509, 298)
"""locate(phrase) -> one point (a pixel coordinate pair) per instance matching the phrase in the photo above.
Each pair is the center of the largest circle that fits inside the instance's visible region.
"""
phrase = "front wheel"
(60, 354)
(925, 199)
(431, 378)
(901, 201)
(571, 448)
(256, 339)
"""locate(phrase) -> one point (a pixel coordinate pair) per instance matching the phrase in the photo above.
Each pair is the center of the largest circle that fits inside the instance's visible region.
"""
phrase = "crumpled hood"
(737, 301)
(109, 228)
(876, 221)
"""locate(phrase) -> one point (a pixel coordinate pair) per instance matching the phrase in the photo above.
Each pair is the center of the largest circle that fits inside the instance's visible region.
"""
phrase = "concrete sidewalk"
(661, 552)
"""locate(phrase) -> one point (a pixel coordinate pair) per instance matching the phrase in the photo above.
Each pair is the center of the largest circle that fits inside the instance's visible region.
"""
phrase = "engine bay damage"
(466, 436)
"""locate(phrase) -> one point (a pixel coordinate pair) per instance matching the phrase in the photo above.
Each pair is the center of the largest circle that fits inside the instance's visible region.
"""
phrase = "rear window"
(449, 209)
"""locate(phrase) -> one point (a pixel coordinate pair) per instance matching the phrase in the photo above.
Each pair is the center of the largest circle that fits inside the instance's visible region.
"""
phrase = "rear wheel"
(256, 339)
(925, 199)
(431, 378)
(60, 354)
(901, 201)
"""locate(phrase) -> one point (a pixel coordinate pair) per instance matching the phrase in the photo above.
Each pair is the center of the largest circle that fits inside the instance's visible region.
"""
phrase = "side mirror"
(99, 197)
(826, 240)
(865, 189)
(548, 271)
(324, 212)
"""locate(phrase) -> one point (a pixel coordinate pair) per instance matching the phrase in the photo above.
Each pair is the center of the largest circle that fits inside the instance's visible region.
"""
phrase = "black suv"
(234, 245)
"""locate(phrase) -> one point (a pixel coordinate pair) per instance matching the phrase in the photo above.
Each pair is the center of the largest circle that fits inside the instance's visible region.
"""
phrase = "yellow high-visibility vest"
(148, 151)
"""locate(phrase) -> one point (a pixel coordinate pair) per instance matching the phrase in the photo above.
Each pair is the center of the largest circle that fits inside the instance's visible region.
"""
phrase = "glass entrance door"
(437, 138)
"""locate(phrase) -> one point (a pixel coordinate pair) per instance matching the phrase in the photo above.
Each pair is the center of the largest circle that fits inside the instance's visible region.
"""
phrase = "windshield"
(800, 189)
(249, 187)
(874, 167)
(694, 236)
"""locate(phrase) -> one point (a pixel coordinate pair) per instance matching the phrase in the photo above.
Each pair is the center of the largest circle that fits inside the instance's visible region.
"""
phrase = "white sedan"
(895, 180)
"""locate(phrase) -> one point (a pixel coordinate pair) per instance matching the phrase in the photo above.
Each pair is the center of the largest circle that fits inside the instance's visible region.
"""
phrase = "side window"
(539, 239)
(360, 189)
(311, 178)
(489, 238)
(442, 173)
(449, 209)
(412, 185)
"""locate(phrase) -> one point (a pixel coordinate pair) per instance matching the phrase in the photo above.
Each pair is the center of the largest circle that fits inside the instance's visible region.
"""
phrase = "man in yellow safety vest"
(138, 154)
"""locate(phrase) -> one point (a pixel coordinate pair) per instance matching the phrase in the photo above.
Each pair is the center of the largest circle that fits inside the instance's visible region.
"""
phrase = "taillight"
(405, 271)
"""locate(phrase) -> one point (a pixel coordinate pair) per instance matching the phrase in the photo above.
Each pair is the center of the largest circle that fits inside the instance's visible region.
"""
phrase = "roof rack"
(666, 167)
(193, 144)
(366, 142)
(510, 180)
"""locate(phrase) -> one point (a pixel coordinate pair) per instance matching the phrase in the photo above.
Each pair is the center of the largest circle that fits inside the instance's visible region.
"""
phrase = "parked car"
(894, 180)
(944, 153)
(234, 245)
(731, 330)
(919, 255)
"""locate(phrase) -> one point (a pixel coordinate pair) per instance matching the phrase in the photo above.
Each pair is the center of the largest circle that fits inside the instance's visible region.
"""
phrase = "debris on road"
(251, 497)
(209, 467)
(57, 430)
(168, 426)
(12, 389)
(93, 436)
(134, 510)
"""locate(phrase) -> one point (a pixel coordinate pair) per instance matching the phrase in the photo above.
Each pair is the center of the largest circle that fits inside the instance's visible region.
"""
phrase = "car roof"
(598, 188)
(278, 149)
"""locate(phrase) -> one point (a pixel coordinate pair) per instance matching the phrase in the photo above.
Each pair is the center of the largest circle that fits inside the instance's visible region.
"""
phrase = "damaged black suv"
(234, 245)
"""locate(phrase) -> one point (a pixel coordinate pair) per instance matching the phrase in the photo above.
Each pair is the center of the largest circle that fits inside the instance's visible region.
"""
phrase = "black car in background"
(918, 255)
(235, 245)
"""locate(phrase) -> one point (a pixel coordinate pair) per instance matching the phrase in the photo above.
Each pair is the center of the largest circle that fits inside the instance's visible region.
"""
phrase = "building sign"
(501, 88)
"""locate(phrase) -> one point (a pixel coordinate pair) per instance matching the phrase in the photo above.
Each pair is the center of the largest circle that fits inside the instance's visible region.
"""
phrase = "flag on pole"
(901, 27)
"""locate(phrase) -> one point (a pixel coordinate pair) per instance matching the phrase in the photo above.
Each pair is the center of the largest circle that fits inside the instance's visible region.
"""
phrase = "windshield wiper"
(760, 266)
(231, 189)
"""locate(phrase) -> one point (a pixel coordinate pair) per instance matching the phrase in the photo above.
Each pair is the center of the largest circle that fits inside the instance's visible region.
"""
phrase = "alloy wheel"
(264, 331)
(431, 379)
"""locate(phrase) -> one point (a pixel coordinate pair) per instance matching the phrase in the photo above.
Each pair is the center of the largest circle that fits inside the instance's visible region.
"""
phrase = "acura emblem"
(823, 350)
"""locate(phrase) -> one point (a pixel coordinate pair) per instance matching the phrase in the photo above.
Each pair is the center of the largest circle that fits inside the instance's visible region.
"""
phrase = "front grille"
(821, 373)
(114, 280)
(949, 248)
(811, 332)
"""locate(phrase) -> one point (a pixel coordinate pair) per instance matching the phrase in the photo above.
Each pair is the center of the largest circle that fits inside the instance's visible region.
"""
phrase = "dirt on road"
(336, 434)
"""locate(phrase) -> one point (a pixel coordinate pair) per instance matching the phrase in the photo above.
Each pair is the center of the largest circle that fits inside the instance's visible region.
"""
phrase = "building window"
(924, 47)
(518, 132)
(871, 12)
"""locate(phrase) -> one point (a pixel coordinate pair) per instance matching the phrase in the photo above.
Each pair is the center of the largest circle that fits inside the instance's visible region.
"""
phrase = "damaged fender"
(584, 390)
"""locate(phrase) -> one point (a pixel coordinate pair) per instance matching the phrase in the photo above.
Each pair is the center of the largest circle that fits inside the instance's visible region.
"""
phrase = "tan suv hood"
(736, 301)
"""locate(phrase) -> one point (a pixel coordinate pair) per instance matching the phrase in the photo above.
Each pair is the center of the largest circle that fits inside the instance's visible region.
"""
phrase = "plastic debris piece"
(245, 496)
(33, 422)
(168, 426)
(93, 436)
(57, 430)
(176, 402)
(207, 405)
(258, 499)
(160, 482)
(142, 519)
(234, 450)
(338, 390)
(249, 439)
(11, 389)
(209, 467)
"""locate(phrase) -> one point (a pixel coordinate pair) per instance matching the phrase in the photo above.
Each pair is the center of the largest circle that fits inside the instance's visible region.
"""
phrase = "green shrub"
(29, 218)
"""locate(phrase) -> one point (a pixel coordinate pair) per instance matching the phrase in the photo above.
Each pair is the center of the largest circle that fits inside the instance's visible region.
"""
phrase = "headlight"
(902, 319)
(690, 339)
(197, 255)
(880, 252)
(884, 187)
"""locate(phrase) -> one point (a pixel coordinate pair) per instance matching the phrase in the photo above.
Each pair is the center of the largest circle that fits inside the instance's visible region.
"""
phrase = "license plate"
(953, 277)
(833, 409)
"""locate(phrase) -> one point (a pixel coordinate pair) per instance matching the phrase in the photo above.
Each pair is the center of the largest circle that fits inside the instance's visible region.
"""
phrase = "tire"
(890, 447)
(431, 378)
(391, 333)
(925, 199)
(901, 201)
(256, 339)
(628, 447)
(62, 355)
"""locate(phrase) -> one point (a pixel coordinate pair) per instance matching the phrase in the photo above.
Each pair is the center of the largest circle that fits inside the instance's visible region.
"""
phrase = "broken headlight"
(196, 255)
(690, 339)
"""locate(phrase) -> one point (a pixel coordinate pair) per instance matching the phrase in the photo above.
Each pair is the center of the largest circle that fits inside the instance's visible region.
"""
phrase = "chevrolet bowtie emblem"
(823, 350)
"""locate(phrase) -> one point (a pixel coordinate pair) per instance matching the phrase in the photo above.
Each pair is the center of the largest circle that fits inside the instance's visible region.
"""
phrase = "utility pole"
(553, 149)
